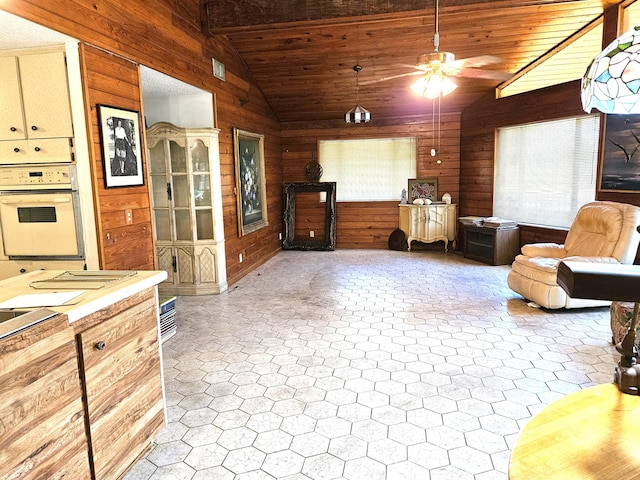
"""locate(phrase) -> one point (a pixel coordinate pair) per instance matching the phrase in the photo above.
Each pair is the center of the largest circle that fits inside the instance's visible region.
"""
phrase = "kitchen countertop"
(90, 301)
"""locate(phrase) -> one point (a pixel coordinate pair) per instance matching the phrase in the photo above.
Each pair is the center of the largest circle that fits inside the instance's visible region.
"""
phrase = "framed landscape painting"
(251, 192)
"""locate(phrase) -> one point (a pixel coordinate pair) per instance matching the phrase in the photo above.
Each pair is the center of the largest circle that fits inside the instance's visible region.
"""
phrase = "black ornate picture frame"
(329, 240)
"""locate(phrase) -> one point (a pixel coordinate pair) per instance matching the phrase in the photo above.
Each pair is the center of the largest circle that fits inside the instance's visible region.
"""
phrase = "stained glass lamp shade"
(612, 81)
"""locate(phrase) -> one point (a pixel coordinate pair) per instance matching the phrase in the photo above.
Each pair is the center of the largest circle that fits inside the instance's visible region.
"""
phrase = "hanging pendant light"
(357, 114)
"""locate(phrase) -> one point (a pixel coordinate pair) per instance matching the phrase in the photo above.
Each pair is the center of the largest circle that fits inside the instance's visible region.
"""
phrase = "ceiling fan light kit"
(435, 58)
(433, 85)
(435, 82)
(357, 114)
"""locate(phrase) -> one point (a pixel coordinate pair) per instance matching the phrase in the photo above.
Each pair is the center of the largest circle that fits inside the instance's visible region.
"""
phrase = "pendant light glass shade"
(611, 84)
(357, 114)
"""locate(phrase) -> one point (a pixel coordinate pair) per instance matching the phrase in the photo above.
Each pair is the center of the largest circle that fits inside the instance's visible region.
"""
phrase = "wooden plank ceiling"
(301, 53)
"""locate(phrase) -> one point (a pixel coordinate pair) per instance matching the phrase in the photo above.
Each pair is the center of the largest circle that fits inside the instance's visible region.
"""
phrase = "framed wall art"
(291, 191)
(251, 192)
(425, 188)
(620, 169)
(120, 141)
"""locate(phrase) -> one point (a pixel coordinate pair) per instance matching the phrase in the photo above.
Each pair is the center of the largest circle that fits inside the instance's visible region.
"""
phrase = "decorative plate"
(313, 171)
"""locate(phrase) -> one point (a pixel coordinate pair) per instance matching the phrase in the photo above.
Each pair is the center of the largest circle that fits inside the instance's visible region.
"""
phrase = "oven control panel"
(36, 177)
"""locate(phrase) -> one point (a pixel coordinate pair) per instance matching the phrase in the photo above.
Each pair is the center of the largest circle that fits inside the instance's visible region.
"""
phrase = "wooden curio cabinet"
(187, 207)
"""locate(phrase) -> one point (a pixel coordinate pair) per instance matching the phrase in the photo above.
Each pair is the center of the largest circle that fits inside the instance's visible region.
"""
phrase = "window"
(368, 169)
(545, 172)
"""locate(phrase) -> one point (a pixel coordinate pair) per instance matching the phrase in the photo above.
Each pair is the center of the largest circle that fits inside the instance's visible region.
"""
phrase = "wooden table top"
(588, 434)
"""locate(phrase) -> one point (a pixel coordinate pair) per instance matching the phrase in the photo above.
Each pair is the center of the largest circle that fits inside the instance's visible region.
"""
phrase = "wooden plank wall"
(164, 35)
(310, 216)
(477, 142)
(369, 224)
(478, 126)
(122, 246)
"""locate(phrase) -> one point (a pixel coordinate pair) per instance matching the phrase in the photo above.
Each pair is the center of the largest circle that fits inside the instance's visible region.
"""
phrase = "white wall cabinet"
(429, 223)
(187, 208)
(34, 98)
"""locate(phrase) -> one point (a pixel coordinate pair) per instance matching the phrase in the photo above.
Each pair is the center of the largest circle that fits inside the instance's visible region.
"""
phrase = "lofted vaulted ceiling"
(301, 52)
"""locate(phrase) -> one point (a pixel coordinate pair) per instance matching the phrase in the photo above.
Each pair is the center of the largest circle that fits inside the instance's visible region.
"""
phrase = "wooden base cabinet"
(495, 246)
(429, 223)
(122, 382)
(191, 269)
(81, 387)
(42, 431)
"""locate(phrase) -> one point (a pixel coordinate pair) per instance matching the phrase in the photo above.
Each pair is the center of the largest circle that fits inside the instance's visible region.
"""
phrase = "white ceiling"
(17, 33)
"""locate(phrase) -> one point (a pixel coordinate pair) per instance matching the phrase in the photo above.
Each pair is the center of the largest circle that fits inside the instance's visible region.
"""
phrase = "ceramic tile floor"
(365, 365)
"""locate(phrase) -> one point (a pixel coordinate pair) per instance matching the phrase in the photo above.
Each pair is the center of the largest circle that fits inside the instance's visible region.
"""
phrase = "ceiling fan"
(437, 67)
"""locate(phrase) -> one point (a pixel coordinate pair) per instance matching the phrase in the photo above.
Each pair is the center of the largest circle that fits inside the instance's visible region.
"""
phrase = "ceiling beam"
(226, 16)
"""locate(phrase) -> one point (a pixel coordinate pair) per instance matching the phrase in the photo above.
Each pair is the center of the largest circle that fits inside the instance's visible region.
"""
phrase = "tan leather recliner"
(602, 232)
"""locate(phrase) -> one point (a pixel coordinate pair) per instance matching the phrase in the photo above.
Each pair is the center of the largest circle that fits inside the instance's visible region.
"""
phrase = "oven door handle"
(50, 200)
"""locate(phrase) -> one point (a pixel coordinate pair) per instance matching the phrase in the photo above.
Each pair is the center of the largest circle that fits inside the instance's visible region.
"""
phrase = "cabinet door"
(50, 150)
(11, 119)
(41, 415)
(436, 222)
(160, 188)
(123, 384)
(186, 265)
(45, 94)
(416, 222)
(166, 262)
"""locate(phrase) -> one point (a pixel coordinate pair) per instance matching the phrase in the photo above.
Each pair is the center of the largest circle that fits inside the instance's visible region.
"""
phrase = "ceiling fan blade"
(384, 79)
(419, 67)
(478, 61)
(478, 73)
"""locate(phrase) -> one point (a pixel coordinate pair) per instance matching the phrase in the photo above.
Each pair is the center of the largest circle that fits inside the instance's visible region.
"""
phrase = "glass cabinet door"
(204, 224)
(201, 176)
(159, 194)
(178, 158)
(182, 205)
(181, 190)
(202, 190)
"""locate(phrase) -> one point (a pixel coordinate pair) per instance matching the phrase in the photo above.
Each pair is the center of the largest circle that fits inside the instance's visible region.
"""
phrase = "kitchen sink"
(14, 321)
